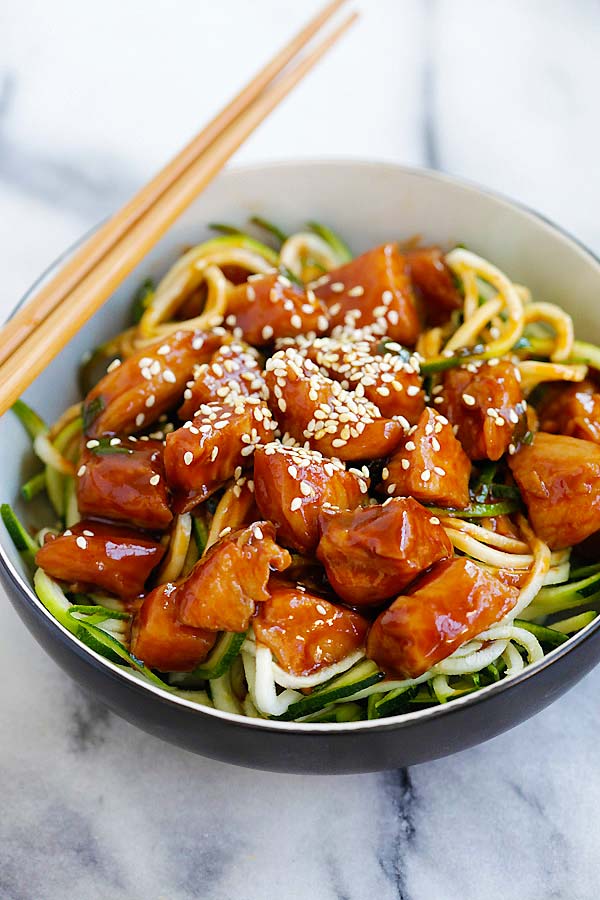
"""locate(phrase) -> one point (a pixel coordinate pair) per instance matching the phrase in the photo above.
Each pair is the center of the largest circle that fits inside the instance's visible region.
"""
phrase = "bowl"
(368, 203)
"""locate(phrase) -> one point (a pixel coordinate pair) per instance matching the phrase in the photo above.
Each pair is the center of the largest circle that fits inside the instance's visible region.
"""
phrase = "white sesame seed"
(356, 291)
(150, 401)
(139, 419)
(162, 351)
(426, 475)
(267, 332)
(469, 399)
(81, 543)
(258, 534)
(214, 454)
(91, 444)
(439, 471)
(154, 480)
(405, 464)
(81, 471)
(169, 376)
(412, 390)
(306, 488)
(337, 287)
(188, 457)
(113, 365)
(391, 488)
(295, 504)
(410, 445)
(434, 520)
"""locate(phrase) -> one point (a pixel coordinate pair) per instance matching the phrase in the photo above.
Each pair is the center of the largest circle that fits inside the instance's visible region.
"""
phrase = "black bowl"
(534, 252)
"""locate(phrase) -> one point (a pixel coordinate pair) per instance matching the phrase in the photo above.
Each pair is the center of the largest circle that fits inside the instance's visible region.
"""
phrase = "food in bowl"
(321, 488)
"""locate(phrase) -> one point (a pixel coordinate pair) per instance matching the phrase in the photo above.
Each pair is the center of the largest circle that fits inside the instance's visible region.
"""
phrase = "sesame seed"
(169, 376)
(225, 531)
(439, 471)
(296, 321)
(469, 399)
(306, 488)
(426, 475)
(499, 421)
(113, 365)
(163, 350)
(337, 287)
(91, 444)
(250, 293)
(405, 464)
(139, 419)
(267, 332)
(410, 445)
(81, 543)
(321, 609)
(154, 480)
(295, 504)
(214, 454)
(434, 520)
(258, 534)
(188, 458)
(391, 488)
(356, 291)
(81, 471)
(412, 390)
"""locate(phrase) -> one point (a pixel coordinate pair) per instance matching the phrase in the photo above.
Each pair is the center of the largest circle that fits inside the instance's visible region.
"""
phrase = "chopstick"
(105, 239)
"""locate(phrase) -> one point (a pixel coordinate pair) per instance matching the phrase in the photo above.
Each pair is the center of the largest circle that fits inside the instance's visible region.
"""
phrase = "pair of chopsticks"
(41, 328)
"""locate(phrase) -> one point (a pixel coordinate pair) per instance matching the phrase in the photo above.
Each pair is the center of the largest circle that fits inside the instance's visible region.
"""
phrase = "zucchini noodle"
(302, 246)
(179, 542)
(232, 510)
(560, 322)
(508, 302)
(534, 373)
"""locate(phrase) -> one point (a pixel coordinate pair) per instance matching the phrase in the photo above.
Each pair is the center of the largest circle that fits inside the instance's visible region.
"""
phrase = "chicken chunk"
(453, 603)
(372, 554)
(115, 559)
(485, 402)
(233, 371)
(373, 290)
(559, 480)
(304, 632)
(205, 452)
(433, 283)
(222, 589)
(571, 409)
(311, 407)
(137, 392)
(268, 307)
(291, 486)
(161, 641)
(124, 481)
(431, 465)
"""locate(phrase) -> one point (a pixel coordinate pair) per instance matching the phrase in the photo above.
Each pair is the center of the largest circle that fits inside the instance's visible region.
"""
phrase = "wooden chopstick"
(102, 241)
(43, 344)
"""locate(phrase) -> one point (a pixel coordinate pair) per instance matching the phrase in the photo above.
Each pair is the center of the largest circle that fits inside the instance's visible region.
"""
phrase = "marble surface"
(93, 98)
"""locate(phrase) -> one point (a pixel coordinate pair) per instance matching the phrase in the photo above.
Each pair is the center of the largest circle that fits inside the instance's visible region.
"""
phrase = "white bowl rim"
(404, 720)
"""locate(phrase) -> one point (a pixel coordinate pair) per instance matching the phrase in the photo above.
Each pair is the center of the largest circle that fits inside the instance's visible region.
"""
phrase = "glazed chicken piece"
(304, 632)
(206, 451)
(161, 641)
(453, 603)
(311, 407)
(385, 378)
(372, 290)
(221, 591)
(372, 554)
(430, 466)
(268, 307)
(571, 409)
(233, 371)
(115, 559)
(137, 392)
(291, 485)
(559, 480)
(433, 283)
(124, 480)
(486, 403)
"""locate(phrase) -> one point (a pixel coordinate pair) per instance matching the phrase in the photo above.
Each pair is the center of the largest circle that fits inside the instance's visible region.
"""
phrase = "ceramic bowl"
(368, 203)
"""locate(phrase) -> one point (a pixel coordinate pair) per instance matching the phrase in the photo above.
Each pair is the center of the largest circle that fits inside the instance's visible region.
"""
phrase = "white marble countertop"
(93, 98)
